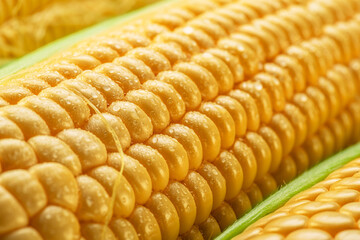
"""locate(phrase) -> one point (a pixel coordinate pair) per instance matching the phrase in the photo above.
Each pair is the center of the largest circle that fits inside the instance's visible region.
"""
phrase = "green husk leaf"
(299, 184)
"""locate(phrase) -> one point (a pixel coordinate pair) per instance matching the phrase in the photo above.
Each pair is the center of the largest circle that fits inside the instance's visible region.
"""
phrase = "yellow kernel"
(286, 171)
(261, 97)
(231, 61)
(231, 170)
(285, 131)
(134, 39)
(169, 20)
(339, 133)
(165, 214)
(16, 154)
(71, 102)
(207, 132)
(301, 159)
(283, 76)
(137, 67)
(331, 222)
(224, 215)
(209, 228)
(274, 143)
(303, 26)
(152, 106)
(66, 69)
(215, 181)
(261, 152)
(254, 194)
(108, 88)
(26, 233)
(136, 174)
(169, 96)
(189, 140)
(295, 69)
(267, 185)
(292, 33)
(187, 89)
(342, 41)
(101, 53)
(145, 223)
(84, 61)
(154, 163)
(54, 115)
(174, 154)
(310, 111)
(171, 51)
(247, 160)
(93, 200)
(26, 189)
(340, 196)
(56, 223)
(186, 43)
(96, 126)
(202, 39)
(250, 107)
(249, 12)
(348, 234)
(203, 78)
(308, 63)
(8, 129)
(298, 121)
(286, 224)
(240, 204)
(193, 234)
(318, 97)
(332, 96)
(211, 28)
(223, 120)
(122, 76)
(309, 233)
(248, 58)
(184, 204)
(90, 150)
(13, 94)
(155, 60)
(236, 111)
(218, 69)
(34, 85)
(268, 41)
(273, 89)
(311, 208)
(59, 184)
(125, 197)
(250, 41)
(135, 119)
(202, 194)
(51, 77)
(52, 149)
(123, 229)
(316, 51)
(86, 90)
(352, 209)
(93, 231)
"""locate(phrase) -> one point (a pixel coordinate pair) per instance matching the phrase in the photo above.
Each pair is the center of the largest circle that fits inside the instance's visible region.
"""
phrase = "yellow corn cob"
(214, 103)
(29, 24)
(328, 210)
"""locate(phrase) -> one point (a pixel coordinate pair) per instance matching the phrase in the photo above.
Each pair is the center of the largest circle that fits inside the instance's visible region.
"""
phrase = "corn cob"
(328, 210)
(28, 25)
(211, 111)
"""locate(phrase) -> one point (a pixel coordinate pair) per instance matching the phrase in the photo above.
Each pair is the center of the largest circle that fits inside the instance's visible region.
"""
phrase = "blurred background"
(26, 25)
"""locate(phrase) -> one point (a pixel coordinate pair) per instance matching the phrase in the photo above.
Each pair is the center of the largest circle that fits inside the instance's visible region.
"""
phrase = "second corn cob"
(204, 106)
